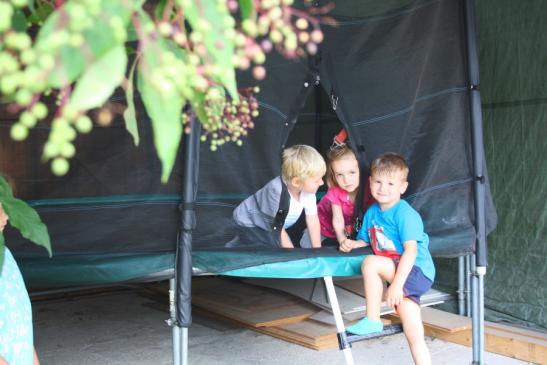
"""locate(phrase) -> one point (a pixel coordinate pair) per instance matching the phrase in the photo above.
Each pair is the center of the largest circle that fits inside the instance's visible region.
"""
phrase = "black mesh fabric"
(397, 71)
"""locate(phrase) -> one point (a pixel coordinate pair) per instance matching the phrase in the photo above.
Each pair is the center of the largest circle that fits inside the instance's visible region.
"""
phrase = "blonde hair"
(301, 161)
(336, 153)
(388, 163)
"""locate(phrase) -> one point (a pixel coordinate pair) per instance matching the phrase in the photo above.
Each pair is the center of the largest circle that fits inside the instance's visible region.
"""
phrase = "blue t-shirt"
(387, 230)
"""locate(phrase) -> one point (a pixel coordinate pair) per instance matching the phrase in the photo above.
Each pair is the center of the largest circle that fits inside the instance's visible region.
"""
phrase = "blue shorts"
(416, 284)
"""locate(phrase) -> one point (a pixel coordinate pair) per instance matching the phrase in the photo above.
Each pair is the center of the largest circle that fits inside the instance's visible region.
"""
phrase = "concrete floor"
(123, 327)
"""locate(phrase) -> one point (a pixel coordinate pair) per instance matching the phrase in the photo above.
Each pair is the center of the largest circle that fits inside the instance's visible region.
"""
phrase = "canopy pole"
(183, 261)
(480, 257)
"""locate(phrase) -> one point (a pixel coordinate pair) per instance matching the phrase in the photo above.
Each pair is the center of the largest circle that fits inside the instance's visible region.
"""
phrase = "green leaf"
(5, 189)
(100, 80)
(129, 115)
(27, 221)
(160, 7)
(19, 21)
(165, 112)
(40, 13)
(222, 56)
(198, 106)
(246, 7)
(23, 217)
(31, 5)
(98, 40)
(164, 108)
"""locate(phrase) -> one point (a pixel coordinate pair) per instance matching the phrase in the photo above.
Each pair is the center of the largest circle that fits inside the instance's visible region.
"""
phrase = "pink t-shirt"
(337, 196)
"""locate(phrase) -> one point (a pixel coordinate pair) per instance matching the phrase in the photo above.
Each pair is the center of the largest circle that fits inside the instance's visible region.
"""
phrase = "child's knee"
(369, 261)
(372, 263)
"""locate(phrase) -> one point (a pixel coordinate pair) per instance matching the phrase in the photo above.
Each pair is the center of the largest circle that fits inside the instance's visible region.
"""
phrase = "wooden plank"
(256, 307)
(441, 320)
(300, 335)
(238, 296)
(516, 346)
(504, 340)
(527, 332)
(444, 320)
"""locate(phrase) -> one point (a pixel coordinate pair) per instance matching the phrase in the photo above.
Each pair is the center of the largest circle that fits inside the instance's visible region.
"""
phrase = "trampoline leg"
(176, 345)
(173, 323)
(184, 346)
(340, 328)
(461, 286)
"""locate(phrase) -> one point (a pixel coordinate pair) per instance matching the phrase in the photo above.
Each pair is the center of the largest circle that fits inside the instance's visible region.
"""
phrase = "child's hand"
(347, 245)
(394, 296)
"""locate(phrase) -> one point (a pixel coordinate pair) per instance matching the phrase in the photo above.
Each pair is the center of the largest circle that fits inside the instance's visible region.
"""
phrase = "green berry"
(51, 150)
(67, 150)
(18, 132)
(59, 166)
(27, 119)
(84, 124)
(6, 12)
(39, 110)
(23, 97)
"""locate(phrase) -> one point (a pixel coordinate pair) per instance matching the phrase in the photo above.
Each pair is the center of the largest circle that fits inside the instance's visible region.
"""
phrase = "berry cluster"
(228, 120)
(187, 50)
(29, 72)
(275, 24)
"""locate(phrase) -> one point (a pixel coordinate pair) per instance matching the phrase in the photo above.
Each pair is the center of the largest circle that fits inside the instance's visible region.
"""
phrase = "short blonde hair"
(301, 161)
(336, 153)
(388, 163)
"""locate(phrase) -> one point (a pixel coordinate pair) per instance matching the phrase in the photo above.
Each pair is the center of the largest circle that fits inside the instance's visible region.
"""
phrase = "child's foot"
(366, 327)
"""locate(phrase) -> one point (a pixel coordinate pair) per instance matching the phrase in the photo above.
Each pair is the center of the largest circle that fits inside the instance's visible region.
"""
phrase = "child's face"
(3, 218)
(346, 173)
(311, 184)
(387, 188)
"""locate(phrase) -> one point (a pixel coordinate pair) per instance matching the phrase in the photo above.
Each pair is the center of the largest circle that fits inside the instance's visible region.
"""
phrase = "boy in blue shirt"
(401, 256)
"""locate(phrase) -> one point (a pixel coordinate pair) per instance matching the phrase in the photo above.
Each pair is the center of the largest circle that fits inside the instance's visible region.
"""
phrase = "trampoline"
(399, 76)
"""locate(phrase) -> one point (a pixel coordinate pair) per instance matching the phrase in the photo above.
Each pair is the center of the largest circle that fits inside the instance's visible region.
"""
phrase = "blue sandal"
(365, 327)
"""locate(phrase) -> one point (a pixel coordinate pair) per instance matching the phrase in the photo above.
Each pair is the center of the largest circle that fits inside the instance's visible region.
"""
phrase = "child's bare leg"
(375, 270)
(411, 317)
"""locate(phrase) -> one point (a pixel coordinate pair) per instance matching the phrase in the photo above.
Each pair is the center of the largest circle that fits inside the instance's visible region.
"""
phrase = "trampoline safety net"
(397, 72)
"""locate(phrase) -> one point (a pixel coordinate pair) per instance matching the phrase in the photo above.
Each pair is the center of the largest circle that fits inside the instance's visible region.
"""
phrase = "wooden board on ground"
(516, 342)
(307, 333)
(499, 342)
(445, 321)
(440, 320)
(313, 291)
(256, 307)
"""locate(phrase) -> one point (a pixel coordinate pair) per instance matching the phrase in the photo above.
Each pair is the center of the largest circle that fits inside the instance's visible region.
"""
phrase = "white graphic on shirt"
(383, 243)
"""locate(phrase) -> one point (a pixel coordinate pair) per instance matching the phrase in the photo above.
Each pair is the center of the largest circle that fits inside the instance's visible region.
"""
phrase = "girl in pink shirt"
(336, 208)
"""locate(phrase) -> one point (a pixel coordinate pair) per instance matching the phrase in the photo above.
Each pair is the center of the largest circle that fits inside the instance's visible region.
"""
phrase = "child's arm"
(348, 244)
(395, 291)
(314, 229)
(338, 223)
(285, 239)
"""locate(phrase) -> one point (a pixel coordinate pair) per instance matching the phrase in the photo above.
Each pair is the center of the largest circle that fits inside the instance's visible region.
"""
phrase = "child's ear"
(296, 182)
(404, 186)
